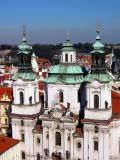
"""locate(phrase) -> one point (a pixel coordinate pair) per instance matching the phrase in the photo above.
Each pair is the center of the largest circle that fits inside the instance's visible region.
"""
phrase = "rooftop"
(7, 143)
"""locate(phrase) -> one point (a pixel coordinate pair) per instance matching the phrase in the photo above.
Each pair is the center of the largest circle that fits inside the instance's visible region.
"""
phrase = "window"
(79, 145)
(23, 137)
(23, 155)
(21, 98)
(96, 145)
(38, 156)
(58, 138)
(38, 140)
(96, 101)
(22, 123)
(66, 57)
(61, 96)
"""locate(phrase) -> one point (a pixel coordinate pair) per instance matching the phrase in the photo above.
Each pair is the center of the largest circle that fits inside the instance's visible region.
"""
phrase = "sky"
(49, 21)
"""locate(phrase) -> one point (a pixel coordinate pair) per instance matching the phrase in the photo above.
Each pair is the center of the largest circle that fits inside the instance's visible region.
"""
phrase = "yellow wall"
(3, 107)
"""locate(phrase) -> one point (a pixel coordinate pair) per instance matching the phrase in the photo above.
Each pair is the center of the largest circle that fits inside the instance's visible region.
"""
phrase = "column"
(51, 141)
(101, 145)
(106, 145)
(86, 148)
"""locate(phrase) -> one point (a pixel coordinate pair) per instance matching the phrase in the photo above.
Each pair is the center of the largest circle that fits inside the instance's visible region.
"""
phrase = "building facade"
(79, 120)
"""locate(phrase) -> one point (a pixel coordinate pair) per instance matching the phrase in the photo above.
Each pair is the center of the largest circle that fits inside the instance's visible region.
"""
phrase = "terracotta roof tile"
(7, 143)
(115, 102)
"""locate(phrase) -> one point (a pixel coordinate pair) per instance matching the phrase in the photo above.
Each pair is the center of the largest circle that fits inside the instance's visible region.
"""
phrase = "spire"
(68, 36)
(24, 31)
(98, 46)
(98, 31)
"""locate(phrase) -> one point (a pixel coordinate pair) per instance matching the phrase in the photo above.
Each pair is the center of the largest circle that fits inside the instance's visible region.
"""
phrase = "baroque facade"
(78, 121)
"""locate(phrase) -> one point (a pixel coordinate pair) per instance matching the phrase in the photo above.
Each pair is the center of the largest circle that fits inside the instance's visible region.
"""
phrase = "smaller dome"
(24, 47)
(68, 46)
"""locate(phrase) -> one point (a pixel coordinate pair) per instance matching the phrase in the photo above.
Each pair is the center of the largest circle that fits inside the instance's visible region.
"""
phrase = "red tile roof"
(7, 143)
(115, 102)
(6, 90)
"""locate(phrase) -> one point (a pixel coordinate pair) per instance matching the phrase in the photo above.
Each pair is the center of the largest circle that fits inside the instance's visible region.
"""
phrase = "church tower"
(98, 111)
(26, 106)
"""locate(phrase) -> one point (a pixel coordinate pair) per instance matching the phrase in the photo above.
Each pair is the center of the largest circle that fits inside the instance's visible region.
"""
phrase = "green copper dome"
(68, 46)
(66, 73)
(67, 69)
(25, 76)
(101, 77)
(24, 47)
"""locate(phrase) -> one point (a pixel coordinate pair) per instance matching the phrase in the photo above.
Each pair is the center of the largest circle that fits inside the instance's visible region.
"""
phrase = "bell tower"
(26, 105)
(98, 111)
(98, 54)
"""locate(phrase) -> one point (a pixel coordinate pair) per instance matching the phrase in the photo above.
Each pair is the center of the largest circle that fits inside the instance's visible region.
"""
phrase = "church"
(81, 118)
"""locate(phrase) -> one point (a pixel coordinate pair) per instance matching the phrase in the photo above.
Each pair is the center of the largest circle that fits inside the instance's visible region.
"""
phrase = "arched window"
(71, 58)
(21, 98)
(96, 101)
(61, 97)
(58, 138)
(66, 57)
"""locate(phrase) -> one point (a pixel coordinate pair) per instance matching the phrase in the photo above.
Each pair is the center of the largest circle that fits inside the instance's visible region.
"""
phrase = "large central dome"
(66, 73)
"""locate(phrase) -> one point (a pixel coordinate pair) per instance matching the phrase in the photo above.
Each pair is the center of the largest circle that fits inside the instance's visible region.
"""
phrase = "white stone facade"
(70, 95)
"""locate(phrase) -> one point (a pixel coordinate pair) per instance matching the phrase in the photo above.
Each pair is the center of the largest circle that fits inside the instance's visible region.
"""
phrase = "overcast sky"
(48, 21)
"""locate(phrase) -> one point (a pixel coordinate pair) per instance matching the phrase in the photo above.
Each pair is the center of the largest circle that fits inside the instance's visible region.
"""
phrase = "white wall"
(70, 95)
